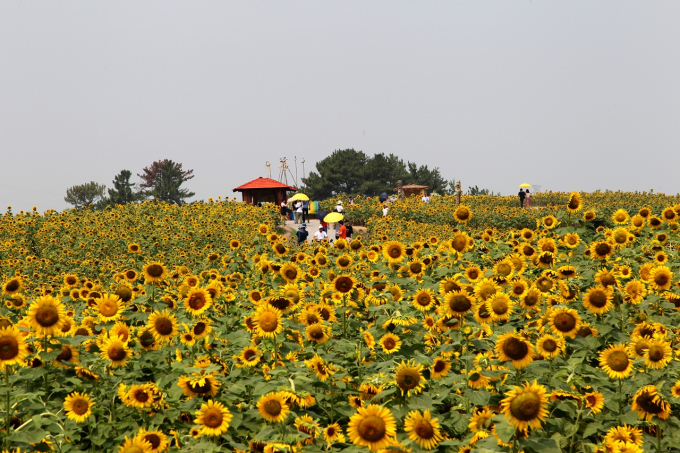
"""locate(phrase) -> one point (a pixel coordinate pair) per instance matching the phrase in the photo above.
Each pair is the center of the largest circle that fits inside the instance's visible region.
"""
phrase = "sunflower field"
(472, 328)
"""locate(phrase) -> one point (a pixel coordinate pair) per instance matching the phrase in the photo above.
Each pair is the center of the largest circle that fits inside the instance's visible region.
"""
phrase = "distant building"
(263, 190)
(414, 189)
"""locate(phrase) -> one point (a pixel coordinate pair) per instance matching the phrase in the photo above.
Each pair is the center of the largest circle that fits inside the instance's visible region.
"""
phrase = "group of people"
(301, 213)
(345, 231)
(524, 198)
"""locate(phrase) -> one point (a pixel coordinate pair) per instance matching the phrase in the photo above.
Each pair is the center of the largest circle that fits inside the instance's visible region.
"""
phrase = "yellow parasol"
(524, 186)
(300, 196)
(333, 217)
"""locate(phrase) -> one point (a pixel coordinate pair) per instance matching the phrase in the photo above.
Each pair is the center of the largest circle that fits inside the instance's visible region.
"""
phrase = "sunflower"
(565, 322)
(214, 418)
(415, 269)
(457, 303)
(390, 343)
(197, 301)
(344, 283)
(620, 217)
(423, 300)
(109, 307)
(408, 377)
(373, 427)
(344, 261)
(661, 278)
(320, 368)
(601, 249)
(658, 354)
(318, 333)
(78, 406)
(423, 429)
(333, 434)
(440, 368)
(485, 288)
(158, 440)
(12, 286)
(267, 321)
(648, 403)
(462, 214)
(532, 299)
(549, 221)
(512, 347)
(69, 354)
(594, 401)
(290, 272)
(140, 396)
(273, 407)
(518, 288)
(116, 351)
(654, 222)
(549, 346)
(163, 325)
(635, 291)
(250, 356)
(616, 362)
(571, 240)
(477, 380)
(135, 445)
(199, 385)
(46, 315)
(461, 242)
(598, 300)
(574, 204)
(154, 272)
(500, 307)
(525, 407)
(394, 251)
(13, 349)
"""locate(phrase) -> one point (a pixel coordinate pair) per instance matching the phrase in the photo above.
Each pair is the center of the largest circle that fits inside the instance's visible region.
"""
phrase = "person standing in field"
(342, 232)
(521, 195)
(527, 195)
(302, 233)
(298, 212)
(350, 230)
(321, 234)
(305, 210)
(425, 198)
(284, 209)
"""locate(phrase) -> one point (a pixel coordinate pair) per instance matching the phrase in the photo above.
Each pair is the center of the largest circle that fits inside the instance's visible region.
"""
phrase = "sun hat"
(304, 225)
(339, 201)
(320, 226)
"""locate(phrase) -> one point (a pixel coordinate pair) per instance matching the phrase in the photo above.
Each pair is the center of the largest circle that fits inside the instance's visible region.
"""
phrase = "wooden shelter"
(264, 190)
(414, 189)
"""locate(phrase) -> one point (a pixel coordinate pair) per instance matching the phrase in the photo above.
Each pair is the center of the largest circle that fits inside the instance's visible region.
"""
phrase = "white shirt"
(426, 199)
(339, 208)
(320, 235)
(298, 206)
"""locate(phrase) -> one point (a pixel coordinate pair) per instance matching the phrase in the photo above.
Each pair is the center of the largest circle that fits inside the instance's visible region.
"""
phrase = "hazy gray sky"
(572, 95)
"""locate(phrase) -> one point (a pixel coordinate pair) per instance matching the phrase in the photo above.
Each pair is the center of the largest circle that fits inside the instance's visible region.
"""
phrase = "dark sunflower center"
(460, 303)
(618, 361)
(201, 388)
(647, 403)
(197, 301)
(9, 348)
(212, 419)
(661, 279)
(124, 293)
(598, 299)
(515, 348)
(408, 379)
(641, 346)
(459, 243)
(565, 322)
(439, 366)
(389, 343)
(518, 290)
(602, 249)
(142, 396)
(131, 275)
(424, 299)
(155, 270)
(656, 353)
(394, 252)
(550, 345)
(424, 430)
(117, 353)
(65, 355)
(47, 316)
(316, 332)
(505, 269)
(343, 284)
(248, 354)
(272, 407)
(268, 322)
(163, 326)
(372, 428)
(146, 339)
(415, 268)
(291, 274)
(584, 332)
(526, 406)
(80, 406)
(153, 439)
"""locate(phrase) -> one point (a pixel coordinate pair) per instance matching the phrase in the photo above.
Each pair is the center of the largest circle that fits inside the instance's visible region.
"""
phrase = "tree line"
(161, 181)
(348, 171)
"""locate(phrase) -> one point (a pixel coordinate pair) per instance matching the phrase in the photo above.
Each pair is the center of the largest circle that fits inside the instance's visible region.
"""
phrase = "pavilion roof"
(263, 183)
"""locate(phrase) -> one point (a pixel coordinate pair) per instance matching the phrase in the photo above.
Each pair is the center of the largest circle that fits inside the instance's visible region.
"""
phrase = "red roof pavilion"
(264, 190)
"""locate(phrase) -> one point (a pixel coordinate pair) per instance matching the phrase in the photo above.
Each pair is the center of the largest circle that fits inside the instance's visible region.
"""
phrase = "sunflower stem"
(572, 442)
(46, 366)
(550, 374)
(658, 438)
(8, 418)
(514, 443)
(620, 396)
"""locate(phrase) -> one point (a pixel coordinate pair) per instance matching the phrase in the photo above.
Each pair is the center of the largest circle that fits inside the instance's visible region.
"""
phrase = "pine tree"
(122, 192)
(162, 181)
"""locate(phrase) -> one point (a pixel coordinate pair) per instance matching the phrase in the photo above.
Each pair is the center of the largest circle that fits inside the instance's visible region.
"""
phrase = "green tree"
(353, 172)
(477, 191)
(163, 179)
(85, 194)
(122, 192)
(341, 172)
